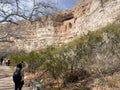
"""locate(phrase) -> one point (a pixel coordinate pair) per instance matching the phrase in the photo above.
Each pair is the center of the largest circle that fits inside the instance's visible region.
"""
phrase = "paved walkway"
(6, 82)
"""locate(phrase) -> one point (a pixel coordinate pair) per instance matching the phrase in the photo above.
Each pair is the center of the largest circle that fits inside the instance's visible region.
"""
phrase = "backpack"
(17, 76)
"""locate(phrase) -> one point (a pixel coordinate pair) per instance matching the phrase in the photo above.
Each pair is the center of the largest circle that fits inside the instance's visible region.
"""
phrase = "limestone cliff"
(61, 27)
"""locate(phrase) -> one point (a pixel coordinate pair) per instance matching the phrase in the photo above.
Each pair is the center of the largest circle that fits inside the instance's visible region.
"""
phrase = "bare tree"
(13, 10)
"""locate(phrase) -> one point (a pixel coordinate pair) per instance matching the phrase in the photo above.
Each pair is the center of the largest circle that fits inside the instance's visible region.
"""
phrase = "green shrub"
(75, 55)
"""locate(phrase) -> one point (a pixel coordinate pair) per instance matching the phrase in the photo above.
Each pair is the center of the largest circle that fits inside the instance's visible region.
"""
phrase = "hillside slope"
(89, 62)
(59, 28)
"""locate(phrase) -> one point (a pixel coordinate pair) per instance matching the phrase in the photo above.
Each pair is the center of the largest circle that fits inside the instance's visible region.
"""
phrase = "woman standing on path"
(18, 75)
(1, 60)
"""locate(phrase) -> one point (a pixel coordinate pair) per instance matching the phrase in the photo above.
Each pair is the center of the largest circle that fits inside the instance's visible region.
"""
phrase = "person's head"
(19, 66)
(22, 62)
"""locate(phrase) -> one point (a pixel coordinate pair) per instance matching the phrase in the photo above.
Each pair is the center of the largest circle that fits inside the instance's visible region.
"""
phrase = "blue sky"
(61, 4)
(66, 4)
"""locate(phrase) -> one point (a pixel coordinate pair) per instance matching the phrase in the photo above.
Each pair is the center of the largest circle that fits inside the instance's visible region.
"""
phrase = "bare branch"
(21, 9)
(12, 11)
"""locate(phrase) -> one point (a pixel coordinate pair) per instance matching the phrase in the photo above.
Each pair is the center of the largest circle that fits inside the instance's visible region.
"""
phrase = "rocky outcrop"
(59, 28)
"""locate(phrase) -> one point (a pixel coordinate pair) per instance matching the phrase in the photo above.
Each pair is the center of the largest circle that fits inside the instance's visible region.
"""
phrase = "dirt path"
(6, 82)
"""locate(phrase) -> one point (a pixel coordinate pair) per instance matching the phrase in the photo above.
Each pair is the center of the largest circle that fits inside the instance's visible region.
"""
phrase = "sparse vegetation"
(96, 53)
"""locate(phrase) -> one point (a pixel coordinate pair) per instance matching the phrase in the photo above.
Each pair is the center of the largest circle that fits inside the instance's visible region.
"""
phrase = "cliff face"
(60, 28)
